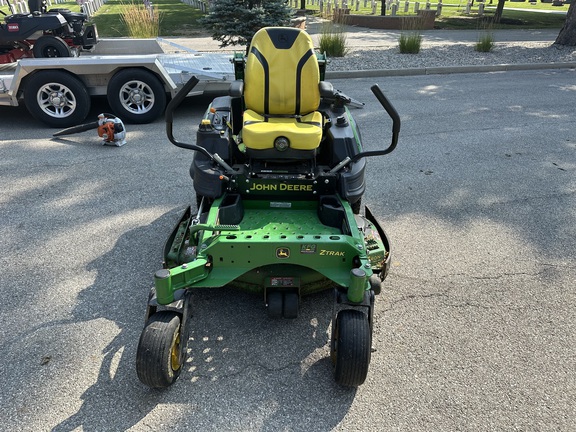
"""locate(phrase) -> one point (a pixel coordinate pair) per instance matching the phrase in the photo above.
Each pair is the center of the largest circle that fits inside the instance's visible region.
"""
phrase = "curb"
(447, 70)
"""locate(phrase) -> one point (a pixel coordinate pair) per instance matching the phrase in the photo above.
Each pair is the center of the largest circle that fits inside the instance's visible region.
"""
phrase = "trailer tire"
(51, 47)
(136, 96)
(56, 98)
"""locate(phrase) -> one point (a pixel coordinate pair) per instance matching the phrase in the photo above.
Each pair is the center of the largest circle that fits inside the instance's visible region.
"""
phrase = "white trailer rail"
(57, 91)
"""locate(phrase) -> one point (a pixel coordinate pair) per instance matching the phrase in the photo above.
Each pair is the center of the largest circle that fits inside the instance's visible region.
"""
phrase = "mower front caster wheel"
(161, 351)
(351, 347)
(291, 305)
(275, 300)
(283, 304)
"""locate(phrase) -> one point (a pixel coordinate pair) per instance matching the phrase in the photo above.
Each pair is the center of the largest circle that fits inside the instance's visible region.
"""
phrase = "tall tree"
(499, 10)
(234, 22)
(567, 35)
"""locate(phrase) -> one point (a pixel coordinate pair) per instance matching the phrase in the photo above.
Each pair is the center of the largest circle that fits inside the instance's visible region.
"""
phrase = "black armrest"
(236, 88)
(326, 89)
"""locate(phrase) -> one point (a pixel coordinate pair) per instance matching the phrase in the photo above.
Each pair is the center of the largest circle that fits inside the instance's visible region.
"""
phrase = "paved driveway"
(474, 329)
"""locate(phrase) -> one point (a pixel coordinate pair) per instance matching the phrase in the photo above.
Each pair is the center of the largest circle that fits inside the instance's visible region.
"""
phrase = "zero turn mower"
(44, 33)
(279, 173)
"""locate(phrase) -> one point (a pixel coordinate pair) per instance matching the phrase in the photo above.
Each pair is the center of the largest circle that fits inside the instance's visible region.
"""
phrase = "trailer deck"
(214, 70)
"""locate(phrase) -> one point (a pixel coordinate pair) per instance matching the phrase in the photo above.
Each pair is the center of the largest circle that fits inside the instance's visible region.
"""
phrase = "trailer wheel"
(351, 347)
(50, 47)
(56, 98)
(159, 356)
(136, 96)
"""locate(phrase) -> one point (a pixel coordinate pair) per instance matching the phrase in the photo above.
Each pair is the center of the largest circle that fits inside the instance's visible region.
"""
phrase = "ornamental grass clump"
(410, 43)
(333, 40)
(141, 20)
(410, 39)
(485, 43)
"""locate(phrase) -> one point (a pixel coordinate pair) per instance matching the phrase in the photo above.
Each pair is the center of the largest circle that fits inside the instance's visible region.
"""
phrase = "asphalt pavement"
(474, 329)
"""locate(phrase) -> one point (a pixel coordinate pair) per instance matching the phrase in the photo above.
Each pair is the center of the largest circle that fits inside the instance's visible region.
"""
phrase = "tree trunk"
(567, 35)
(499, 10)
(303, 4)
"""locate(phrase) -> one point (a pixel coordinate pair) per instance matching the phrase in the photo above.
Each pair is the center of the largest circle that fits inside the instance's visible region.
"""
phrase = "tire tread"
(154, 349)
(354, 348)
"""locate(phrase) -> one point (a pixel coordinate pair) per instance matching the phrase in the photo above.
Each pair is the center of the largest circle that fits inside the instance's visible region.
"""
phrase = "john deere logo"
(282, 253)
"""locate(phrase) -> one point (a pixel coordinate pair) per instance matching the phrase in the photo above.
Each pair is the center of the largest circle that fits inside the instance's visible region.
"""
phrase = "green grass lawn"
(453, 14)
(72, 5)
(178, 19)
(511, 19)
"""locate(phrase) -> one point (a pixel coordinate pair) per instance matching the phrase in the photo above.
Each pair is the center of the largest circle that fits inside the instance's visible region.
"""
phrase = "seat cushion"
(303, 132)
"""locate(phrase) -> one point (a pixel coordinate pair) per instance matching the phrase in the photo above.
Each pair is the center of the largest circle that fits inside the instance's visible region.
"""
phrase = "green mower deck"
(276, 244)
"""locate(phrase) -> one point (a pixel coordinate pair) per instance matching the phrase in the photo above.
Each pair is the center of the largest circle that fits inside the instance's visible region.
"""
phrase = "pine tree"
(234, 22)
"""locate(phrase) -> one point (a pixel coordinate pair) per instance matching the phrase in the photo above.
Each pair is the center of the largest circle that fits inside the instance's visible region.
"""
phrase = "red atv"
(41, 33)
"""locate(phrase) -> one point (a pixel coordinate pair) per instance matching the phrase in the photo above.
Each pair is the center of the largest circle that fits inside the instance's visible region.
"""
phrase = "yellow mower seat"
(303, 134)
(281, 92)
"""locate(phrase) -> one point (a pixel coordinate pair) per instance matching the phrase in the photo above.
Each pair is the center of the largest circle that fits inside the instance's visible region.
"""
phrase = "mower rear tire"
(56, 98)
(351, 347)
(136, 96)
(357, 206)
(160, 357)
(51, 47)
